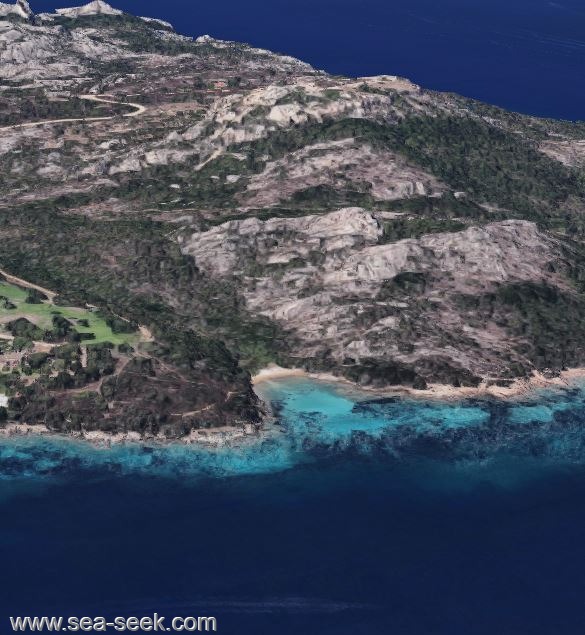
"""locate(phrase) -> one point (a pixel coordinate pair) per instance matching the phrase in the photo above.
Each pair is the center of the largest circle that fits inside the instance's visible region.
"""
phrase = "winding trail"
(139, 110)
(27, 285)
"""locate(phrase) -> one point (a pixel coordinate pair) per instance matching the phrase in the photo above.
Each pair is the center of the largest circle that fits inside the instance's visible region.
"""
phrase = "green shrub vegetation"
(133, 270)
(400, 228)
(549, 325)
(21, 106)
(53, 323)
(492, 165)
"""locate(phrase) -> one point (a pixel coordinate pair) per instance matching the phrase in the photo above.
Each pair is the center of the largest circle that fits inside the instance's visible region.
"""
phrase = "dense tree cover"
(131, 269)
(118, 324)
(21, 327)
(6, 303)
(401, 228)
(490, 164)
(324, 197)
(547, 324)
(62, 329)
(34, 296)
(374, 372)
(100, 360)
(445, 206)
(534, 127)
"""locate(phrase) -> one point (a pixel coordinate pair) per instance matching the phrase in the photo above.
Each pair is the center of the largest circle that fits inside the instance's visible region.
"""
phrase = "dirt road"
(139, 110)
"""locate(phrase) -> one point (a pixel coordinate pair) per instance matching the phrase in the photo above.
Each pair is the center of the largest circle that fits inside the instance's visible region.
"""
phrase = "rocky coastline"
(234, 436)
(520, 388)
(211, 439)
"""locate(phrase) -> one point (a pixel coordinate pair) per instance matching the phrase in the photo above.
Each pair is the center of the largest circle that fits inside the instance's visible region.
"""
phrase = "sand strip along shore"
(521, 387)
(229, 436)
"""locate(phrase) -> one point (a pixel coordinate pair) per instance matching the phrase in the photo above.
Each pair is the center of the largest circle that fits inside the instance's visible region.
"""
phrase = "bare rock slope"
(354, 304)
(255, 210)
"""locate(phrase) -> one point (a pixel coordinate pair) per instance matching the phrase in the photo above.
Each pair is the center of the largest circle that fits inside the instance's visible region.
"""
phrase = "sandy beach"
(227, 436)
(521, 387)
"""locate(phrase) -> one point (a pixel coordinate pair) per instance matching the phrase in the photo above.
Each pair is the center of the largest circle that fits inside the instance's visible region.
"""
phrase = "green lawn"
(42, 315)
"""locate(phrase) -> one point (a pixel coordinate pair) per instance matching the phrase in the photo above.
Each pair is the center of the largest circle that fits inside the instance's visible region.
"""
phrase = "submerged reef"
(317, 421)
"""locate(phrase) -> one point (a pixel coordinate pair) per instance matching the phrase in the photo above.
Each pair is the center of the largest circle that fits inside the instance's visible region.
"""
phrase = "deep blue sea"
(525, 55)
(393, 517)
(354, 515)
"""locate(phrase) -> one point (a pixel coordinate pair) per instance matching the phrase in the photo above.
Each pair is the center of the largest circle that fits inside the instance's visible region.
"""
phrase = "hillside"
(246, 208)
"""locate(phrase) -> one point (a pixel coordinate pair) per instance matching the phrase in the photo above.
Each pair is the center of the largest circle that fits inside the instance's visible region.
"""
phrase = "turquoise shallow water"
(318, 420)
(352, 515)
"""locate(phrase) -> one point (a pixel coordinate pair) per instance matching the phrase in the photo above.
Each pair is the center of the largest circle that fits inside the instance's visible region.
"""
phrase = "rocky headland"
(213, 209)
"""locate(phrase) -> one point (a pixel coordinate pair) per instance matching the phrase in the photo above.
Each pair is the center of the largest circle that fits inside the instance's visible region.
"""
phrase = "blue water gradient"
(353, 514)
(317, 420)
